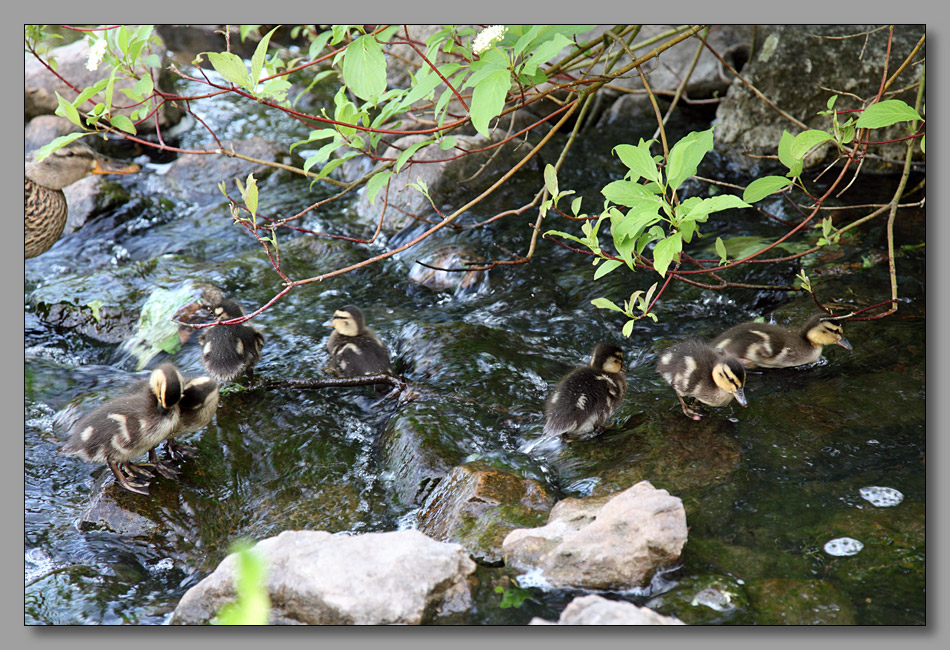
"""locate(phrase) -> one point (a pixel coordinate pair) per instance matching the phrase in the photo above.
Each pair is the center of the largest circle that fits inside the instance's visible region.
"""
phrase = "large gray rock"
(40, 85)
(597, 610)
(316, 578)
(798, 69)
(613, 542)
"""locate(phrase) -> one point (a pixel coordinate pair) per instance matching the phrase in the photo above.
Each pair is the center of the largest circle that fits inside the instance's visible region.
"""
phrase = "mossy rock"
(705, 599)
(784, 601)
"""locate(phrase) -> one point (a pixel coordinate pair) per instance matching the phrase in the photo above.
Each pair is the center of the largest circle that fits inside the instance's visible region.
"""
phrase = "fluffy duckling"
(694, 368)
(199, 401)
(772, 346)
(228, 351)
(586, 396)
(44, 205)
(127, 427)
(355, 348)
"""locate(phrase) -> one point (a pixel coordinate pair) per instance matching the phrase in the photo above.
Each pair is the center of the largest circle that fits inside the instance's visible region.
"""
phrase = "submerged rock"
(597, 610)
(315, 578)
(477, 506)
(705, 600)
(450, 257)
(784, 601)
(613, 542)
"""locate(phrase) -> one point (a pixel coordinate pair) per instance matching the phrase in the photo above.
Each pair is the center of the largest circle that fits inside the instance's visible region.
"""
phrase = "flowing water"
(765, 487)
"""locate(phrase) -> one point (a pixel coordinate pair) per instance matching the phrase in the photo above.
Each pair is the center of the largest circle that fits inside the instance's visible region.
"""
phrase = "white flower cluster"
(96, 53)
(488, 37)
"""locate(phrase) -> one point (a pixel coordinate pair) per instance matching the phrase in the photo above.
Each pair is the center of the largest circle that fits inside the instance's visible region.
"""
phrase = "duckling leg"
(692, 414)
(139, 470)
(137, 486)
(164, 469)
(179, 452)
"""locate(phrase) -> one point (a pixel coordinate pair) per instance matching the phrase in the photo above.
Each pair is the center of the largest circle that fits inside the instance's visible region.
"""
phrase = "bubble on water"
(38, 564)
(843, 546)
(165, 564)
(882, 497)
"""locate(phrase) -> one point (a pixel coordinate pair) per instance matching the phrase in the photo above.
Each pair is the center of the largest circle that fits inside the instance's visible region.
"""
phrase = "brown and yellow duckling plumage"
(768, 345)
(695, 369)
(354, 348)
(199, 401)
(229, 351)
(44, 205)
(585, 397)
(129, 426)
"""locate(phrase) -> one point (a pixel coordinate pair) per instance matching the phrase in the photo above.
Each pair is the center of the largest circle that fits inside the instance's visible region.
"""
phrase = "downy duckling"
(355, 348)
(228, 351)
(127, 427)
(44, 204)
(694, 368)
(586, 396)
(773, 346)
(199, 401)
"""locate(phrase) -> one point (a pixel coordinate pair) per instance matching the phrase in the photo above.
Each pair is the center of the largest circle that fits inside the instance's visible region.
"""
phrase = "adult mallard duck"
(354, 348)
(44, 206)
(586, 396)
(773, 346)
(229, 351)
(694, 368)
(127, 427)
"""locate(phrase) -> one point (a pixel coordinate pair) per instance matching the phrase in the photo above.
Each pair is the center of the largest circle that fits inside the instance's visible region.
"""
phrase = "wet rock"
(613, 542)
(41, 85)
(196, 178)
(189, 40)
(477, 505)
(451, 183)
(316, 578)
(413, 451)
(105, 513)
(705, 600)
(783, 601)
(450, 257)
(98, 305)
(597, 610)
(794, 67)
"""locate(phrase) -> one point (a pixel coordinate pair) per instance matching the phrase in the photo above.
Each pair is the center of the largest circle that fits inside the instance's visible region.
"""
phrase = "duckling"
(772, 346)
(126, 427)
(44, 205)
(355, 348)
(693, 367)
(228, 351)
(586, 396)
(199, 401)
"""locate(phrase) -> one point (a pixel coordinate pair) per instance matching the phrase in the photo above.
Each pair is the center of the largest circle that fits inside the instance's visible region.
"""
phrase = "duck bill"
(740, 397)
(112, 166)
(843, 342)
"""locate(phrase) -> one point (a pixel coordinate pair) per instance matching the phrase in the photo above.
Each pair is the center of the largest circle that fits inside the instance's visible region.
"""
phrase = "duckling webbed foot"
(179, 452)
(137, 470)
(162, 467)
(692, 414)
(132, 485)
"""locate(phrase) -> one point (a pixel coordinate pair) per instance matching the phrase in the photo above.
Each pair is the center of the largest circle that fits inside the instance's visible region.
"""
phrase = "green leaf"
(630, 194)
(231, 67)
(526, 40)
(407, 153)
(785, 157)
(545, 52)
(364, 68)
(686, 155)
(604, 303)
(606, 267)
(448, 142)
(763, 187)
(638, 160)
(831, 101)
(576, 205)
(488, 99)
(721, 250)
(627, 328)
(123, 123)
(252, 606)
(376, 183)
(144, 86)
(550, 179)
(250, 196)
(665, 251)
(567, 236)
(67, 110)
(890, 111)
(699, 210)
(631, 224)
(806, 141)
(257, 61)
(923, 148)
(58, 143)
